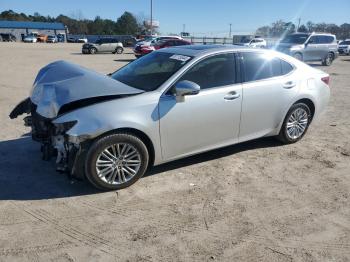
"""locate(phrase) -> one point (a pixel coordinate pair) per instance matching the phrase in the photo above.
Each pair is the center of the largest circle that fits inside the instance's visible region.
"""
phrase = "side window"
(215, 71)
(323, 39)
(329, 39)
(286, 67)
(257, 66)
(313, 40)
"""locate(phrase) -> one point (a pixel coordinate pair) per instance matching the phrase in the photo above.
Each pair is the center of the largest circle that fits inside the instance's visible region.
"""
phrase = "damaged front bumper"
(69, 152)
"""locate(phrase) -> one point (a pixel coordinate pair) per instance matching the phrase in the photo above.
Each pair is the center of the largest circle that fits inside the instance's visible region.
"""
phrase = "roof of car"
(197, 50)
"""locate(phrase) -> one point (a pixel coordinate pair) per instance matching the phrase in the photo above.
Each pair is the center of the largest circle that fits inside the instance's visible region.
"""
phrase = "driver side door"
(208, 120)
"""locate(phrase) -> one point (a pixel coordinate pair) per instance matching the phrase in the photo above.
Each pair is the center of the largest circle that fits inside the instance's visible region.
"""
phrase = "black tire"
(119, 50)
(283, 135)
(101, 144)
(298, 56)
(93, 50)
(328, 60)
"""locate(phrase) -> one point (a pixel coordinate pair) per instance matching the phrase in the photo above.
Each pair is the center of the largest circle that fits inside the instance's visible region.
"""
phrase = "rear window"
(259, 66)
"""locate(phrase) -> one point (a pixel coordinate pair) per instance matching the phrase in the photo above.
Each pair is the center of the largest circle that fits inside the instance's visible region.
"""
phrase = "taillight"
(325, 80)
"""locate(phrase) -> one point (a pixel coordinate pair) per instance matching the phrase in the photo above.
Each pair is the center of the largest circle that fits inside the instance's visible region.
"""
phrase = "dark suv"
(110, 45)
(310, 47)
(7, 38)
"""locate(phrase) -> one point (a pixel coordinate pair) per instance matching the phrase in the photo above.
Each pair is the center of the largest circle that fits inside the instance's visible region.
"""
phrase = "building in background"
(20, 29)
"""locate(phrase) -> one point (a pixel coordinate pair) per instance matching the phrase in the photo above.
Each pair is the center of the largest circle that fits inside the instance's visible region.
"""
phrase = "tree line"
(126, 24)
(281, 28)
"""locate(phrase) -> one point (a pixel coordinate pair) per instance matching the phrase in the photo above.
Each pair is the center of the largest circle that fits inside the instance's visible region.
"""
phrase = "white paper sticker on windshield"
(182, 58)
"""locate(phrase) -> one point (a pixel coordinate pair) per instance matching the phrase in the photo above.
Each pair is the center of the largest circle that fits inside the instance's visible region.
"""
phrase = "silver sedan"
(170, 104)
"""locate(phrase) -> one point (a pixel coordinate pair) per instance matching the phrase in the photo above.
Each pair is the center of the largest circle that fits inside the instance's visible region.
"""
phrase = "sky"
(200, 17)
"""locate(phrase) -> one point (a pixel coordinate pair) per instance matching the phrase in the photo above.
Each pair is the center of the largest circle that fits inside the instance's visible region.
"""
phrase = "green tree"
(127, 24)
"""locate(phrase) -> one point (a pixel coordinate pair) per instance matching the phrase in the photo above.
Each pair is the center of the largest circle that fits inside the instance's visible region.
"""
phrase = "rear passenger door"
(105, 43)
(268, 87)
(324, 45)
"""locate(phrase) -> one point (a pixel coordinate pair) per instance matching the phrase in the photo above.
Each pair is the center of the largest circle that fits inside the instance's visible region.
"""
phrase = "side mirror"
(185, 88)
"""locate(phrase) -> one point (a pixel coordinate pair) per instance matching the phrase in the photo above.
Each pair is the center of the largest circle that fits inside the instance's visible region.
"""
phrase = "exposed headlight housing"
(62, 128)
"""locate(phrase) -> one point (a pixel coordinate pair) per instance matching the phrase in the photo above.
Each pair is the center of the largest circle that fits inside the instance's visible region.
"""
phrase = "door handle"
(289, 84)
(232, 96)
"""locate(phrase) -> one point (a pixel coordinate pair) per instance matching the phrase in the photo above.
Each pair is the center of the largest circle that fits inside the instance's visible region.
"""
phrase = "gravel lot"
(257, 201)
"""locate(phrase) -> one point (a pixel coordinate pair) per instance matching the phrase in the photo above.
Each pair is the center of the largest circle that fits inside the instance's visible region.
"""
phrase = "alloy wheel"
(118, 163)
(297, 123)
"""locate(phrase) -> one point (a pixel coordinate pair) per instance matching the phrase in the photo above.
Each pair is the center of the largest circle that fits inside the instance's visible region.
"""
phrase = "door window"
(215, 71)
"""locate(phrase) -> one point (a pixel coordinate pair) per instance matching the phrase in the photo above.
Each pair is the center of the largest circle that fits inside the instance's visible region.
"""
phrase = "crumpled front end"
(59, 88)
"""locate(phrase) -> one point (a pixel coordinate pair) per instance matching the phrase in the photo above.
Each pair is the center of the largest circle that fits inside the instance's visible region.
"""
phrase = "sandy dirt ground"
(256, 201)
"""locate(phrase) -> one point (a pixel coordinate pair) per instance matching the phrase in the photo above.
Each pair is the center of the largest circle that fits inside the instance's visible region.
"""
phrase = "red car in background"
(144, 50)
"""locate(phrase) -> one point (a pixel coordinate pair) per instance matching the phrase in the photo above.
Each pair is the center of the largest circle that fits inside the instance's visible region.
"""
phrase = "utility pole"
(230, 30)
(298, 24)
(151, 17)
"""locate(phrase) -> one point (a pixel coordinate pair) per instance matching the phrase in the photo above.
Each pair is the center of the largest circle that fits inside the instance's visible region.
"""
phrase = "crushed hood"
(61, 83)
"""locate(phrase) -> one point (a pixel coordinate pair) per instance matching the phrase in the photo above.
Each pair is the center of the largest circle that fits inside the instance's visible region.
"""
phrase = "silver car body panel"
(205, 121)
(61, 83)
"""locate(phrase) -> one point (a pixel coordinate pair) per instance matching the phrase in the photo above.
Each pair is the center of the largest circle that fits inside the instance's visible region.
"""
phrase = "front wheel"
(298, 56)
(93, 51)
(295, 123)
(116, 161)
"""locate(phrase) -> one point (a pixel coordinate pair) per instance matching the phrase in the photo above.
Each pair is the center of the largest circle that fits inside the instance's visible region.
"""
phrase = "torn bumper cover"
(54, 143)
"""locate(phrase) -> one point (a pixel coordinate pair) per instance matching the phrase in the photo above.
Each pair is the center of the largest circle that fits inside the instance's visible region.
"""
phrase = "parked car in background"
(30, 39)
(344, 47)
(145, 49)
(82, 40)
(172, 103)
(309, 47)
(254, 43)
(152, 40)
(71, 39)
(103, 45)
(42, 38)
(51, 39)
(7, 37)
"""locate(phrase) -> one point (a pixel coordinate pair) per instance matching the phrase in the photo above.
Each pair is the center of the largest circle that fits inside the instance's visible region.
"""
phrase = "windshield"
(345, 42)
(295, 39)
(151, 71)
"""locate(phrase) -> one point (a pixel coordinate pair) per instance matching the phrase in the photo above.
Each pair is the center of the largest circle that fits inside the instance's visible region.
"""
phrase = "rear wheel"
(328, 60)
(295, 123)
(116, 161)
(119, 50)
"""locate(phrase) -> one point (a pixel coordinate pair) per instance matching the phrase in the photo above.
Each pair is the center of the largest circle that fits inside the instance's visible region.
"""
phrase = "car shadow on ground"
(316, 65)
(215, 154)
(24, 176)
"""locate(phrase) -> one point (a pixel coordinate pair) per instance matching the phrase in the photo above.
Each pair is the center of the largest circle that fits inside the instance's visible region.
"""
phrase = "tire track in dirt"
(34, 249)
(78, 236)
(300, 244)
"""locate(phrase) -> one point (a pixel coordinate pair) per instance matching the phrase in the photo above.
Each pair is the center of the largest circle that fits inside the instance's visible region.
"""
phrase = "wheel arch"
(309, 103)
(138, 133)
